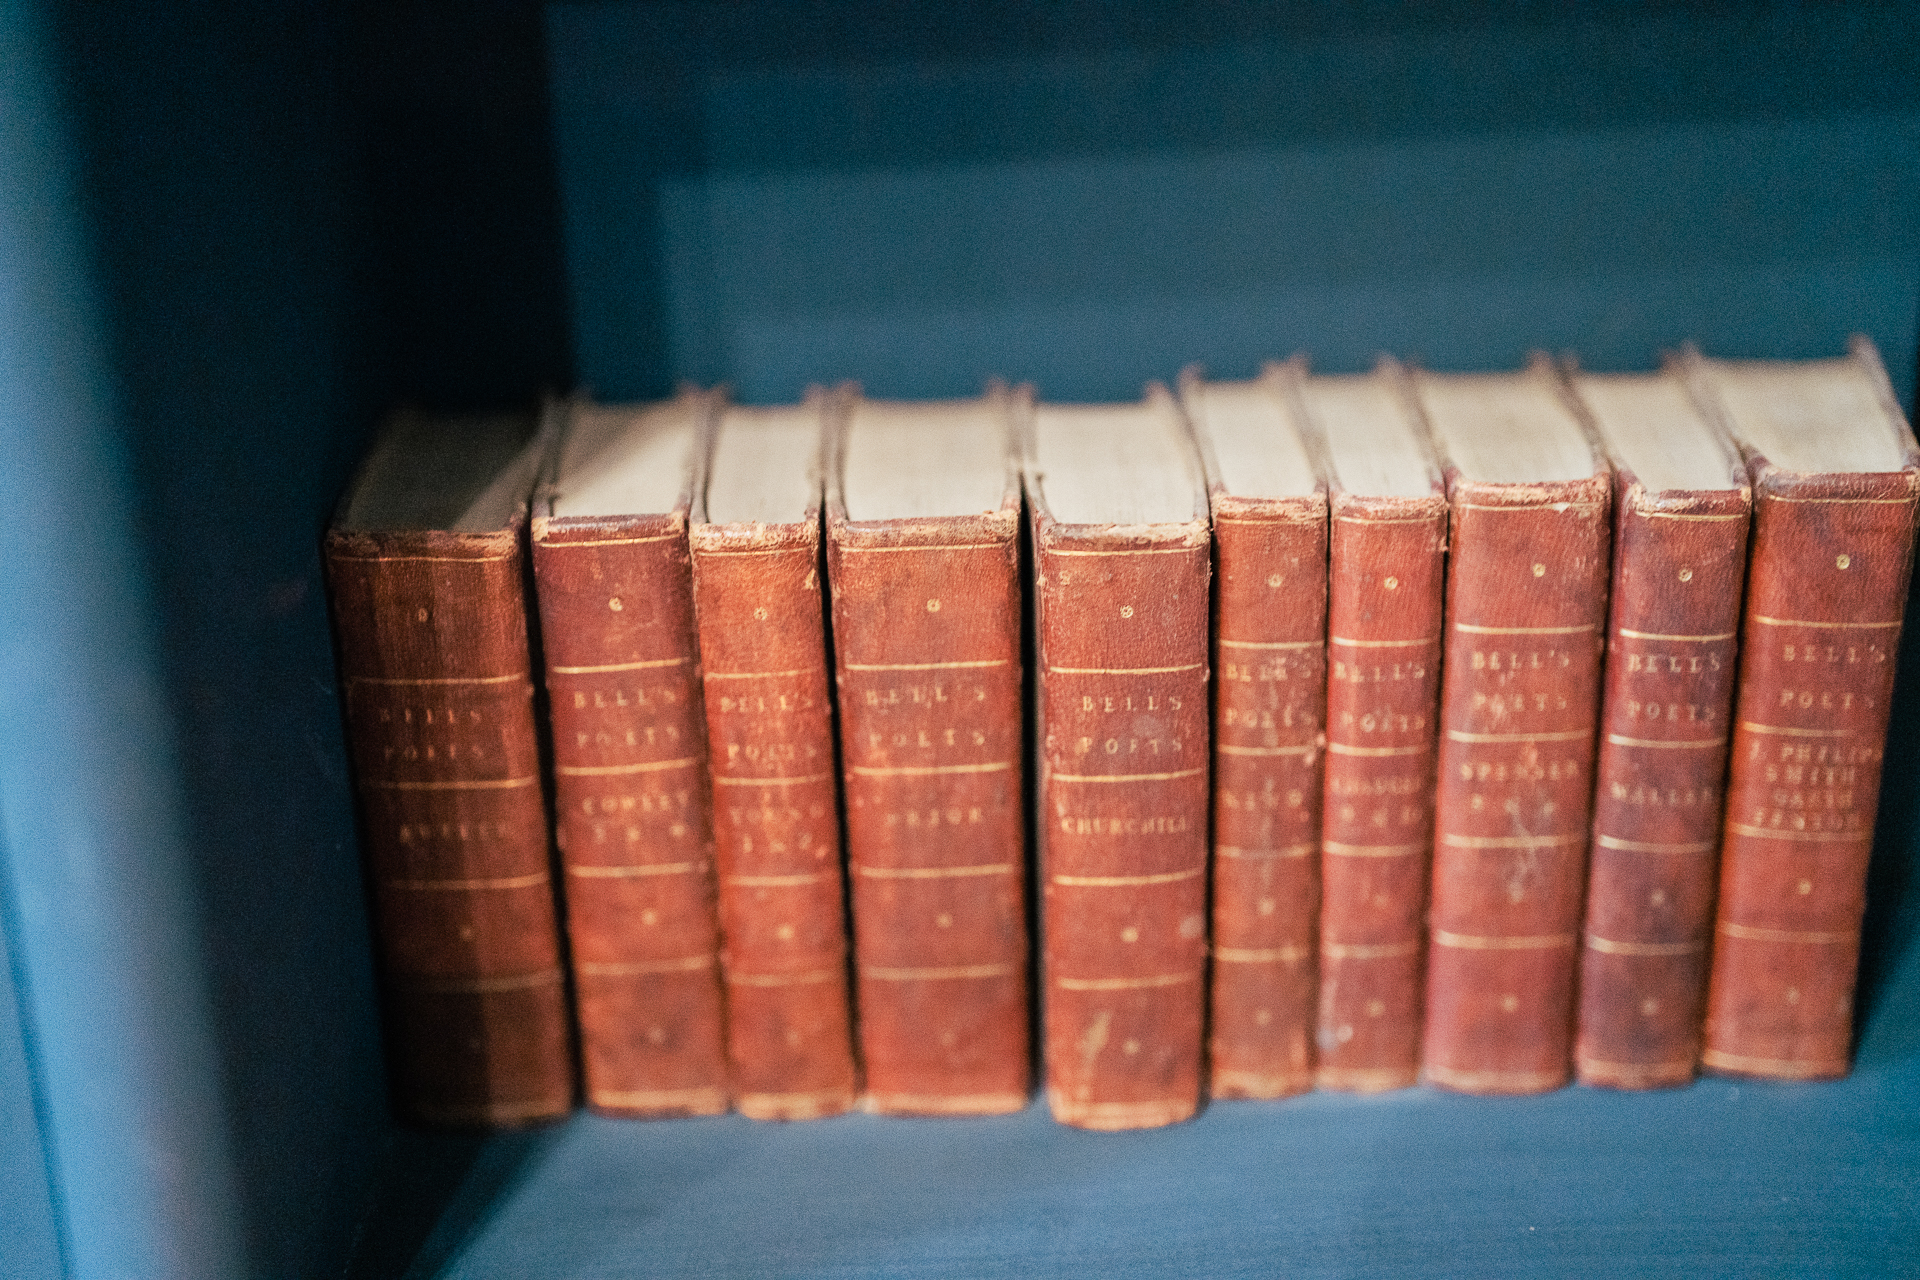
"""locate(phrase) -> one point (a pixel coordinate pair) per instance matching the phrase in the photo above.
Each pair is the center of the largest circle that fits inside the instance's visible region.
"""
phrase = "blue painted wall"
(1092, 195)
(29, 1216)
(104, 926)
(231, 235)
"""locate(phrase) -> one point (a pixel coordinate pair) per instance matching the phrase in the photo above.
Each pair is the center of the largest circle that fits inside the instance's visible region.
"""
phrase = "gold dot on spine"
(1391, 584)
(1805, 887)
(1842, 561)
(1686, 575)
(1539, 571)
(1509, 1003)
(1126, 611)
(933, 606)
(615, 605)
(1274, 579)
(1129, 934)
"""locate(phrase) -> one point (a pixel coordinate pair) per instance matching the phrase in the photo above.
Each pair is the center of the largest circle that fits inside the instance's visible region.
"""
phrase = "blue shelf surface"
(1724, 1177)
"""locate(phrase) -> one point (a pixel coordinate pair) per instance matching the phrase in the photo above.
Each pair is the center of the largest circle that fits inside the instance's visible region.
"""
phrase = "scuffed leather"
(927, 642)
(1679, 562)
(633, 810)
(1520, 693)
(435, 674)
(762, 624)
(1270, 691)
(1804, 786)
(1385, 618)
(1122, 618)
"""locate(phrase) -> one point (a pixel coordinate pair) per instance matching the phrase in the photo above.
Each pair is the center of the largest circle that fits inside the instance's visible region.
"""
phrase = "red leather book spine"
(1270, 691)
(927, 639)
(630, 790)
(1387, 581)
(1526, 604)
(1826, 590)
(1678, 565)
(762, 625)
(439, 693)
(1122, 630)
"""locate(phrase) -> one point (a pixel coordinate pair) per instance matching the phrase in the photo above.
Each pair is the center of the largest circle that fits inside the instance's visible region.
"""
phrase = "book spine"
(927, 641)
(1827, 588)
(1678, 566)
(630, 790)
(1526, 605)
(1122, 633)
(761, 619)
(1270, 691)
(439, 699)
(1387, 586)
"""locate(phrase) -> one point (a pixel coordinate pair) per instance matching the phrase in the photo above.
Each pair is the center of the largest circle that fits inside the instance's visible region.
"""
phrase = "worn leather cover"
(1827, 588)
(435, 671)
(1123, 796)
(632, 805)
(1387, 582)
(1679, 562)
(926, 628)
(1270, 690)
(762, 625)
(1526, 604)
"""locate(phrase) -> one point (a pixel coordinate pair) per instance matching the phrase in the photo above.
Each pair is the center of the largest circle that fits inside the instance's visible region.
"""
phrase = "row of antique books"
(1366, 729)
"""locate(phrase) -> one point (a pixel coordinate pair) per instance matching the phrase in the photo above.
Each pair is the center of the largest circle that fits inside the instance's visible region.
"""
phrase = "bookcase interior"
(238, 236)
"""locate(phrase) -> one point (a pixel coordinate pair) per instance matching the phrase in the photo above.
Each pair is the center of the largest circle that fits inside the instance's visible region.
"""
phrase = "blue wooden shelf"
(1722, 1178)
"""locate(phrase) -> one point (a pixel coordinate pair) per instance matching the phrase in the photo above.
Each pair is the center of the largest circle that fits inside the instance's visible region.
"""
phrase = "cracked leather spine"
(633, 810)
(1270, 612)
(926, 633)
(761, 618)
(1526, 609)
(1679, 561)
(1387, 582)
(438, 687)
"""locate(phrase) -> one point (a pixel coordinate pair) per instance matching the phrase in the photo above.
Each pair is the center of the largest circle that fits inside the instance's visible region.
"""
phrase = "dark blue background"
(230, 235)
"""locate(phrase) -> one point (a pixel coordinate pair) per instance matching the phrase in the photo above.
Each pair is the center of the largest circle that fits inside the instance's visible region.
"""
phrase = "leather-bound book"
(426, 574)
(1519, 700)
(1121, 551)
(923, 557)
(615, 586)
(1835, 476)
(1269, 511)
(1680, 508)
(1387, 577)
(761, 611)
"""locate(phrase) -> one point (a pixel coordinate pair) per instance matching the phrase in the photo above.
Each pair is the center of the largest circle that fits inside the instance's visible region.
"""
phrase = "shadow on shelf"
(432, 1192)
